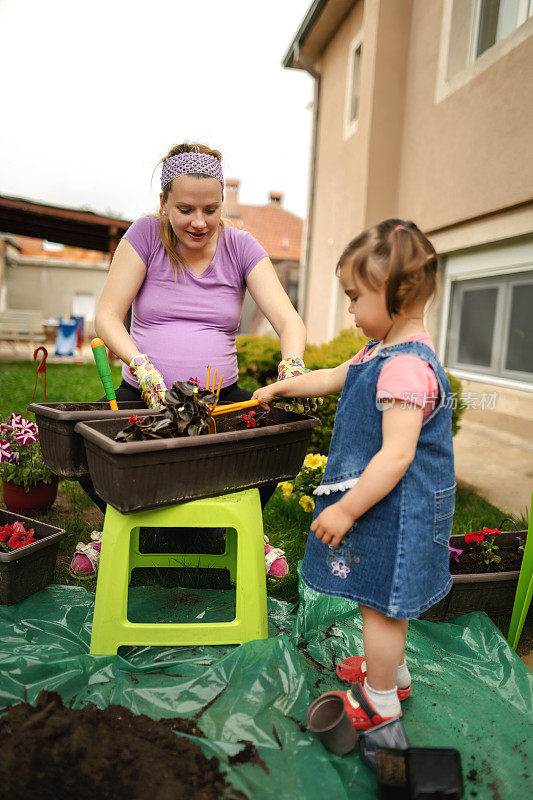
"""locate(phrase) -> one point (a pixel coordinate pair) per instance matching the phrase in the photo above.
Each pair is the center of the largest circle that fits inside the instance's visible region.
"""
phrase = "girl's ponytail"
(412, 272)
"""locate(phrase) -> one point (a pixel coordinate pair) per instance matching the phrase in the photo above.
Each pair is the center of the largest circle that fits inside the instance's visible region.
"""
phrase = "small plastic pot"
(327, 717)
(390, 735)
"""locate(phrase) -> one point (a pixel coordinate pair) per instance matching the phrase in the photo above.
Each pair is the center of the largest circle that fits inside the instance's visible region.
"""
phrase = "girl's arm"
(318, 382)
(273, 301)
(126, 274)
(401, 429)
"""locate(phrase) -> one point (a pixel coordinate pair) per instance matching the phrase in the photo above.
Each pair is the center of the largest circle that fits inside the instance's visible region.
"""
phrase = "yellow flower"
(307, 503)
(313, 461)
(286, 489)
(323, 460)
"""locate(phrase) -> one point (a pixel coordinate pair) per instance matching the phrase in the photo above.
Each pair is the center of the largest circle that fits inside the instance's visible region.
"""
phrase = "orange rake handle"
(234, 407)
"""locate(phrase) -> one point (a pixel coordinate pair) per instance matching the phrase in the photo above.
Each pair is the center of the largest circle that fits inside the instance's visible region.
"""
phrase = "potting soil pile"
(229, 722)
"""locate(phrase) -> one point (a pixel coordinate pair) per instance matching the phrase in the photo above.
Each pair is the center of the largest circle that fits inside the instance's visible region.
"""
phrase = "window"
(494, 20)
(353, 84)
(83, 305)
(491, 326)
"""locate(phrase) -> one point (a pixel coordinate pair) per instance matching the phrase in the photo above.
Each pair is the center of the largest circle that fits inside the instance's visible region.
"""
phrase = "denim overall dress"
(395, 558)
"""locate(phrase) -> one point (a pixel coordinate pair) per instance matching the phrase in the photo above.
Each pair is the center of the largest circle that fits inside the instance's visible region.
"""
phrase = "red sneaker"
(360, 710)
(353, 669)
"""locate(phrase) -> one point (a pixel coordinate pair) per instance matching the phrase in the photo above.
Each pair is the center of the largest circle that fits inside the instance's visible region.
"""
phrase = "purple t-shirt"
(185, 325)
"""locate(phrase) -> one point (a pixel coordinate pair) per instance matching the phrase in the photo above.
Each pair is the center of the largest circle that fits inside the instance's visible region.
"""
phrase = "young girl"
(384, 510)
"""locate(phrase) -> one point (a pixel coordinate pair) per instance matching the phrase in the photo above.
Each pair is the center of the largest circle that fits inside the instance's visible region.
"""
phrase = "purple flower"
(14, 458)
(455, 553)
(5, 451)
(340, 568)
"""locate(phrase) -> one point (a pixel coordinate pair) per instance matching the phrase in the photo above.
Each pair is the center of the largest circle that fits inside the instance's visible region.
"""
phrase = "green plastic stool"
(524, 590)
(244, 557)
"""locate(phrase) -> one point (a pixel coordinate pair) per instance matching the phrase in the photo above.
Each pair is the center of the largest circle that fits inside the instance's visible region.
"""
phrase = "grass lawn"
(68, 383)
(286, 523)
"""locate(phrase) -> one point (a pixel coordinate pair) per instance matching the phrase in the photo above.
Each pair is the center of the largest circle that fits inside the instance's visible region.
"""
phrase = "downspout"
(299, 62)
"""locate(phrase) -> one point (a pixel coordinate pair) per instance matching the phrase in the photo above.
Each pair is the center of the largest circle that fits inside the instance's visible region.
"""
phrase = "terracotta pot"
(36, 500)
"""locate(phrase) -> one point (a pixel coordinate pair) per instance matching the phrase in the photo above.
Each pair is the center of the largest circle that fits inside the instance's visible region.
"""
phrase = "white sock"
(403, 676)
(385, 703)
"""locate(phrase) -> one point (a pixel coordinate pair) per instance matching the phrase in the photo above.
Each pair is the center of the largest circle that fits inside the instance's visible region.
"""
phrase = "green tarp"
(470, 690)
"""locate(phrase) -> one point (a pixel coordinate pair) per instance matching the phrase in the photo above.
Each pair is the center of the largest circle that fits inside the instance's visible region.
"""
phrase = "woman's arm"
(273, 301)
(401, 429)
(317, 382)
(126, 274)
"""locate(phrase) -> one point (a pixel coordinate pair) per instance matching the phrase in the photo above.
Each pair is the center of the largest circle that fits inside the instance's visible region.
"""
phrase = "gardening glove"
(290, 368)
(150, 381)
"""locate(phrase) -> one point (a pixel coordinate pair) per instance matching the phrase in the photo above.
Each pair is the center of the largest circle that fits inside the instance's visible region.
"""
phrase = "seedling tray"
(63, 449)
(28, 569)
(139, 475)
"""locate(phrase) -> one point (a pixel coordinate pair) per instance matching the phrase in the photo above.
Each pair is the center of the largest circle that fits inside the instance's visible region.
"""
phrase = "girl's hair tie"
(399, 228)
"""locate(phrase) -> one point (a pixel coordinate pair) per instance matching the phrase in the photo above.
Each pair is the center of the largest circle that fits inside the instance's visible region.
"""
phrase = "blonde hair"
(168, 237)
(399, 251)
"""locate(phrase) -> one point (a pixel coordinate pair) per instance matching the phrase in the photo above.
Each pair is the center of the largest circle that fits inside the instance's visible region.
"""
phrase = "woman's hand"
(150, 381)
(290, 368)
(332, 524)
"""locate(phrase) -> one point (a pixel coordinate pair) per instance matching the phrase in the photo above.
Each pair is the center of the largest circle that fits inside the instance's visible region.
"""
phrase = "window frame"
(523, 14)
(351, 125)
(446, 84)
(504, 283)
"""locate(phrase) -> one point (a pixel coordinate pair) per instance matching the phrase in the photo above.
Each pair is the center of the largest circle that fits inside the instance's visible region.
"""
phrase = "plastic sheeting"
(470, 690)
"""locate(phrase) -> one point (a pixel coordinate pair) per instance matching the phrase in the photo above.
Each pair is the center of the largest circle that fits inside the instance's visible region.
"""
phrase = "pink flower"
(455, 553)
(5, 451)
(15, 420)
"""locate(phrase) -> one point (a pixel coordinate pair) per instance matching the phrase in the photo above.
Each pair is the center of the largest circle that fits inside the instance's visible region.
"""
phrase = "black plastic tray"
(63, 449)
(28, 569)
(132, 476)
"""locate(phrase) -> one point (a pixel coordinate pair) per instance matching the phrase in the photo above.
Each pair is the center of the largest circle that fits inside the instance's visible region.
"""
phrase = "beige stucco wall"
(438, 141)
(51, 289)
(340, 177)
(466, 154)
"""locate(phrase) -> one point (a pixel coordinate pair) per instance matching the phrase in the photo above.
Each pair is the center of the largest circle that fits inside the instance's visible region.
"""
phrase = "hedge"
(258, 365)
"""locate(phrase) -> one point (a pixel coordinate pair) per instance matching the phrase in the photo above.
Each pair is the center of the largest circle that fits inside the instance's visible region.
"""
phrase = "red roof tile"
(278, 230)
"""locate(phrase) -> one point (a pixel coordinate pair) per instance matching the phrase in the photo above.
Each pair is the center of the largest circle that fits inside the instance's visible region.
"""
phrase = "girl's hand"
(290, 368)
(332, 524)
(265, 395)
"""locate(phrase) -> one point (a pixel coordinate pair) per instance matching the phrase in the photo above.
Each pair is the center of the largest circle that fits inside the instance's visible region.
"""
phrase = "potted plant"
(28, 486)
(28, 555)
(485, 566)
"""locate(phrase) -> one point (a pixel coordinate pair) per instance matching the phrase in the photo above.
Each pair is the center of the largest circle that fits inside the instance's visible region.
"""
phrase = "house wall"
(51, 288)
(438, 141)
(466, 154)
(340, 177)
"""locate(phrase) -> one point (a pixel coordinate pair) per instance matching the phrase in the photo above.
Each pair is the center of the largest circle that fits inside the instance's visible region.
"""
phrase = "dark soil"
(56, 753)
(471, 563)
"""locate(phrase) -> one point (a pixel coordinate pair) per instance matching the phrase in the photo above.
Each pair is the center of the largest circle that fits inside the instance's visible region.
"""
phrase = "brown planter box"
(31, 568)
(132, 476)
(487, 591)
(64, 450)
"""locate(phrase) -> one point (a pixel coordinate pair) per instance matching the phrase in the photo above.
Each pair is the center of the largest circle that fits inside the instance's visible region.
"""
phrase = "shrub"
(258, 365)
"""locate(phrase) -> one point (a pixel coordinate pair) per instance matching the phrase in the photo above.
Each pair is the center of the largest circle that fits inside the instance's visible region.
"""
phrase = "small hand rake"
(225, 409)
